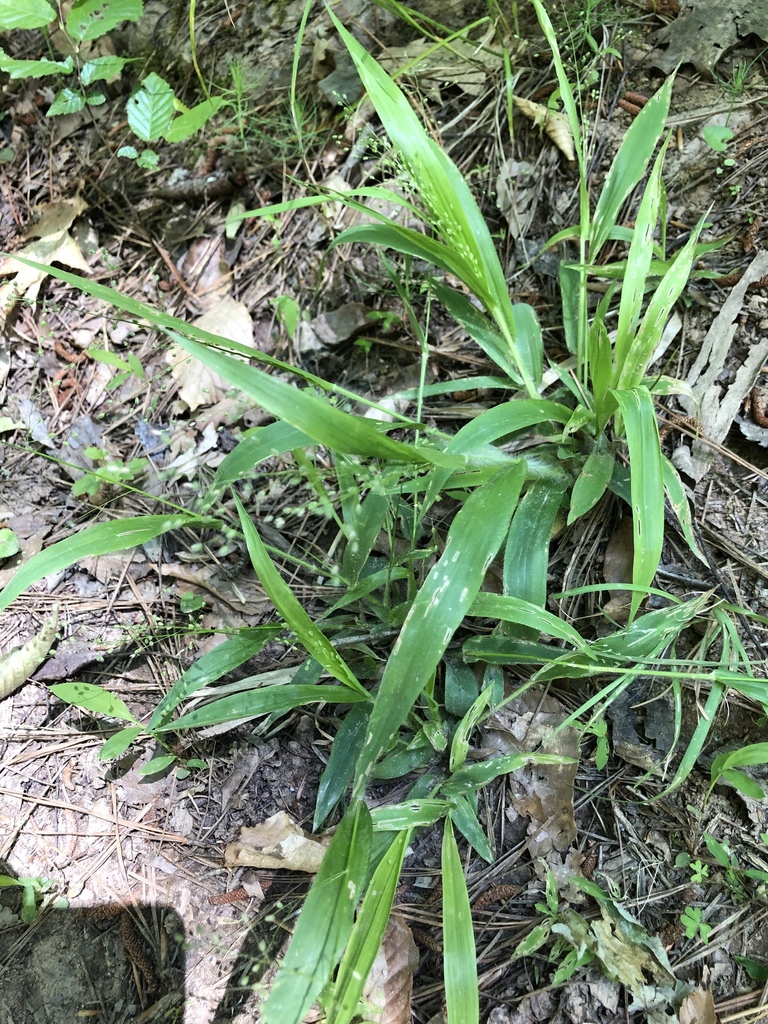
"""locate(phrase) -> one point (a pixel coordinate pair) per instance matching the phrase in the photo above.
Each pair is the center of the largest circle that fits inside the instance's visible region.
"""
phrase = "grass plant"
(512, 471)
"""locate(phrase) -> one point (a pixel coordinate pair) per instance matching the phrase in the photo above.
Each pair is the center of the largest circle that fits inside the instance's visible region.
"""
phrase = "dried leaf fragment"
(554, 124)
(387, 992)
(276, 843)
(18, 665)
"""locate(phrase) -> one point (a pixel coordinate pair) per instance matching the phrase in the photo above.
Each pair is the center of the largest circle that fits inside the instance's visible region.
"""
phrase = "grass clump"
(512, 472)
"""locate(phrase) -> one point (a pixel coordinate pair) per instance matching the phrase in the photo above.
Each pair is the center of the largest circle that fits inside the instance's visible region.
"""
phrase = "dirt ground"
(150, 924)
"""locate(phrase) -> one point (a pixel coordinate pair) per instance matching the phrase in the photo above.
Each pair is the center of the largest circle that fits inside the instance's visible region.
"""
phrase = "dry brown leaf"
(18, 665)
(617, 568)
(58, 248)
(554, 124)
(206, 271)
(277, 843)
(387, 992)
(698, 1008)
(198, 385)
(543, 793)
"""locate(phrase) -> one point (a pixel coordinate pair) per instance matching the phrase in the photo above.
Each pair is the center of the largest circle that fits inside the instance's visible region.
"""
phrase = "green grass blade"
(464, 817)
(228, 656)
(325, 923)
(265, 700)
(282, 597)
(629, 165)
(531, 616)
(439, 608)
(590, 484)
(340, 768)
(459, 957)
(367, 933)
(102, 539)
(638, 265)
(646, 485)
(678, 499)
(273, 439)
(314, 416)
(526, 552)
(668, 291)
(451, 207)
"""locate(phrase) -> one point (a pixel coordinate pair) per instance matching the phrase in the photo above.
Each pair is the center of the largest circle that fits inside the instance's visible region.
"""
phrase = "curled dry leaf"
(387, 992)
(698, 1007)
(19, 664)
(198, 385)
(554, 124)
(277, 843)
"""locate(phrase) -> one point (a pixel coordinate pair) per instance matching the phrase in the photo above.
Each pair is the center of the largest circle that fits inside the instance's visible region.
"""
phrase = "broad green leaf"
(363, 526)
(472, 777)
(27, 14)
(460, 685)
(590, 484)
(646, 485)
(460, 741)
(102, 539)
(224, 658)
(367, 933)
(185, 125)
(117, 745)
(99, 69)
(91, 19)
(416, 813)
(274, 439)
(157, 764)
(314, 416)
(325, 923)
(743, 783)
(438, 610)
(534, 940)
(629, 164)
(263, 701)
(459, 954)
(723, 767)
(150, 109)
(92, 698)
(697, 742)
(284, 600)
(9, 543)
(34, 68)
(478, 327)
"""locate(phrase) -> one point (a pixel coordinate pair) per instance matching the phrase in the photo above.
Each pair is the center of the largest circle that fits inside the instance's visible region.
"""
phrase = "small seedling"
(691, 920)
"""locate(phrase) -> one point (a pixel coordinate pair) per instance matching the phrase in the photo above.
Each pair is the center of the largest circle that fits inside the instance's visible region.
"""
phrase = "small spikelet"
(18, 665)
(554, 124)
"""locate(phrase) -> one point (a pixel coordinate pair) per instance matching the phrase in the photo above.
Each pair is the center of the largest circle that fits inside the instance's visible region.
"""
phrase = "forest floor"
(184, 933)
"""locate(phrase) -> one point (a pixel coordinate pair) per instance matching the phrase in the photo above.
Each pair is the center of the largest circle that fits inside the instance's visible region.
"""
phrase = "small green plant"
(153, 110)
(110, 472)
(36, 893)
(691, 920)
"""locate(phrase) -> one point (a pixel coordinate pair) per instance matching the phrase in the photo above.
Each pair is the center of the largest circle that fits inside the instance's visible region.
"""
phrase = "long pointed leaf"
(101, 539)
(325, 923)
(439, 608)
(646, 485)
(460, 957)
